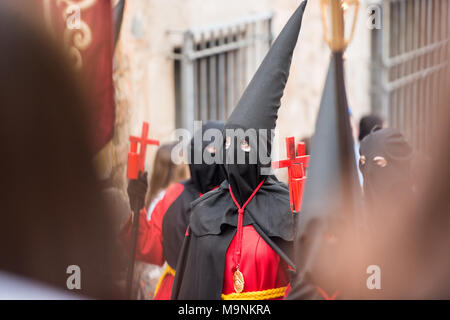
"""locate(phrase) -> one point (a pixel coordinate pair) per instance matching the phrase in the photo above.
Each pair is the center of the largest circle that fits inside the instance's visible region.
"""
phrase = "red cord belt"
(238, 278)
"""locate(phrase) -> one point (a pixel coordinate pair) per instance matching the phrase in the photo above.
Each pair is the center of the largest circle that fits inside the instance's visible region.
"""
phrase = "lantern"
(335, 13)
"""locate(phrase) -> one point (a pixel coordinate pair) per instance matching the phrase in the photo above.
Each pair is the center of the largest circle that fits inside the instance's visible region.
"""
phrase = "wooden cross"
(296, 164)
(136, 162)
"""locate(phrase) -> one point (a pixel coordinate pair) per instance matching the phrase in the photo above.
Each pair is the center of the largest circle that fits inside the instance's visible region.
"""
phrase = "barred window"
(411, 58)
(214, 65)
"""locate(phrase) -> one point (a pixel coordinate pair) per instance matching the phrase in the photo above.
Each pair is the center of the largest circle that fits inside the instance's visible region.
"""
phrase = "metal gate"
(214, 65)
(410, 60)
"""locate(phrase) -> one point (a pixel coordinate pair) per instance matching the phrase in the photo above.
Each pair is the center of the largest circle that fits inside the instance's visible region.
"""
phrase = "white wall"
(145, 75)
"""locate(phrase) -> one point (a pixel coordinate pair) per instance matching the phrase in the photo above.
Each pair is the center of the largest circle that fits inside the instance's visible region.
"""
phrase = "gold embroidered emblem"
(238, 281)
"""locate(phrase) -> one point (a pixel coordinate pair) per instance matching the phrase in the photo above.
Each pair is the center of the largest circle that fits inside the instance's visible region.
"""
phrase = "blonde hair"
(165, 172)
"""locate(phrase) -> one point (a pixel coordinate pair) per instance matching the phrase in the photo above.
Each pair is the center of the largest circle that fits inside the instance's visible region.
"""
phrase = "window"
(411, 53)
(214, 65)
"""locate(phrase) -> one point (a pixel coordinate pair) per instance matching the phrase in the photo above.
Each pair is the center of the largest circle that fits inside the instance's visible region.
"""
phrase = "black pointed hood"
(332, 199)
(258, 106)
(332, 163)
(385, 162)
(258, 109)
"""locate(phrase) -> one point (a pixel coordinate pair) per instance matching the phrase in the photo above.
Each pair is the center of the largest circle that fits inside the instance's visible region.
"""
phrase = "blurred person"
(389, 195)
(385, 162)
(239, 241)
(428, 232)
(160, 238)
(165, 173)
(327, 244)
(52, 213)
(118, 208)
(414, 256)
(367, 124)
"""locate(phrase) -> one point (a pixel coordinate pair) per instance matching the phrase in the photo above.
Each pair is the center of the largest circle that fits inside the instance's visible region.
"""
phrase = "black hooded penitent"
(257, 112)
(214, 219)
(204, 177)
(367, 124)
(385, 162)
(331, 204)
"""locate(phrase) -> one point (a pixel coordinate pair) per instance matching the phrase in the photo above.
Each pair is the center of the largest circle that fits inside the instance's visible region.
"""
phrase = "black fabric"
(384, 185)
(213, 224)
(175, 222)
(367, 124)
(303, 288)
(244, 175)
(118, 18)
(258, 109)
(258, 106)
(332, 201)
(137, 189)
(205, 176)
(214, 217)
(201, 266)
(272, 194)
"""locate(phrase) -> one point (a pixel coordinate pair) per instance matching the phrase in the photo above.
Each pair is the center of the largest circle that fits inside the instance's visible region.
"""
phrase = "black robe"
(176, 220)
(213, 224)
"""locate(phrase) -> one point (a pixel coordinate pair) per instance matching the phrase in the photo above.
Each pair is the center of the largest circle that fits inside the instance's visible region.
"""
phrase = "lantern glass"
(347, 22)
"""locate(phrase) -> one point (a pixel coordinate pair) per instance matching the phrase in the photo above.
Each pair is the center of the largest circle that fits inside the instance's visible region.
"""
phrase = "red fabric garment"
(149, 247)
(325, 295)
(288, 290)
(92, 55)
(260, 265)
(165, 288)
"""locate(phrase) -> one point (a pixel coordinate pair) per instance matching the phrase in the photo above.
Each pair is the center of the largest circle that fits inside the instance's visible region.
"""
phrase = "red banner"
(86, 29)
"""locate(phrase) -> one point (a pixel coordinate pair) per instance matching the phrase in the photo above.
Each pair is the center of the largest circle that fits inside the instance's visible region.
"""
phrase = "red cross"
(325, 295)
(136, 162)
(296, 164)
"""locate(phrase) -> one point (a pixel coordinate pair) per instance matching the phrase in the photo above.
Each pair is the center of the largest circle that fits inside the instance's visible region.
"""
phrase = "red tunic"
(261, 266)
(265, 274)
(164, 289)
(149, 246)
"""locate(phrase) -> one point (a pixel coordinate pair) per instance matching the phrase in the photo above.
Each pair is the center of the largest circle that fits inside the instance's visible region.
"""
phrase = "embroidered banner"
(86, 29)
